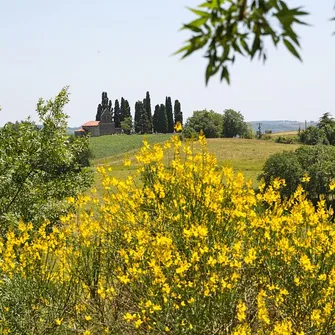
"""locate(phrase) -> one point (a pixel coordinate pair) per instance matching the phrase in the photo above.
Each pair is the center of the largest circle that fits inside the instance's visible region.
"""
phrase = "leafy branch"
(226, 28)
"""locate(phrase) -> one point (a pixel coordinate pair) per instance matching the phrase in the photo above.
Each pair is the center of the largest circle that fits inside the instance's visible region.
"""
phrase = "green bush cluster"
(312, 165)
(40, 166)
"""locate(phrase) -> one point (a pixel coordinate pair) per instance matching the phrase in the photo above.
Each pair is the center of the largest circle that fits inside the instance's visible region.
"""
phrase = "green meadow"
(243, 155)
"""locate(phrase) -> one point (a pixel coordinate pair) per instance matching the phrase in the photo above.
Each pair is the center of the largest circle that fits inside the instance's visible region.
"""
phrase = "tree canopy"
(226, 28)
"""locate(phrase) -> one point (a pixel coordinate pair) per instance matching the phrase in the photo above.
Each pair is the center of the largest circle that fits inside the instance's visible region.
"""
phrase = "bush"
(286, 139)
(193, 250)
(40, 167)
(313, 136)
(266, 137)
(284, 166)
(189, 132)
(314, 164)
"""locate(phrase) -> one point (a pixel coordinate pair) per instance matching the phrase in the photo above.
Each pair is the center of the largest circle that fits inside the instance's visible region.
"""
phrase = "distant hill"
(281, 125)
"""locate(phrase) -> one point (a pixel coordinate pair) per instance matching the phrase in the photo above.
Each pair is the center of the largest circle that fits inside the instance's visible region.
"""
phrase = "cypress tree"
(163, 120)
(148, 108)
(122, 110)
(138, 110)
(105, 105)
(169, 114)
(99, 112)
(127, 112)
(117, 114)
(155, 120)
(145, 123)
(178, 114)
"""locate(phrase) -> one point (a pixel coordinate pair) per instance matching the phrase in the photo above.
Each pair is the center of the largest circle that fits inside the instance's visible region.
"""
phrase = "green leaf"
(291, 48)
(225, 74)
(196, 23)
(199, 12)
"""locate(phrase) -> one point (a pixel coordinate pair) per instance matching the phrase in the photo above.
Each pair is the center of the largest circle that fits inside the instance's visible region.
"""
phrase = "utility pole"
(259, 131)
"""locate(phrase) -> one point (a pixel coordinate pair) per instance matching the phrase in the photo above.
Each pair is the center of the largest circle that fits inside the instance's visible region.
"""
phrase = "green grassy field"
(106, 147)
(243, 155)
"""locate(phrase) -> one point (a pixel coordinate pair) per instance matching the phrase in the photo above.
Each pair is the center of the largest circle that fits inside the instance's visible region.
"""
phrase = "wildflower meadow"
(184, 246)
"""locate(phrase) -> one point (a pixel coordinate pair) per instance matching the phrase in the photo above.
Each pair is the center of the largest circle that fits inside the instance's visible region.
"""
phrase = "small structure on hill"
(106, 126)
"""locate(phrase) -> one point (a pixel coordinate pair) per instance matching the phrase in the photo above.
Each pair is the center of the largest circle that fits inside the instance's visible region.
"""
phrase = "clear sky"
(125, 48)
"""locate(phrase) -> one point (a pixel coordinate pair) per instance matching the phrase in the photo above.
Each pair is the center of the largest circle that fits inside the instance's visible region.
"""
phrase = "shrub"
(313, 136)
(40, 166)
(286, 139)
(284, 166)
(193, 250)
(314, 164)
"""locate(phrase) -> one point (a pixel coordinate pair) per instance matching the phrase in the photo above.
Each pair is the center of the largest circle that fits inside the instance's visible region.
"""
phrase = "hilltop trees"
(138, 114)
(117, 113)
(169, 114)
(233, 124)
(105, 105)
(178, 114)
(209, 122)
(164, 119)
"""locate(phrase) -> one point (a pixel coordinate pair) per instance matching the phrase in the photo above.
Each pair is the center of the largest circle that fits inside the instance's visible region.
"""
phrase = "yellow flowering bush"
(190, 249)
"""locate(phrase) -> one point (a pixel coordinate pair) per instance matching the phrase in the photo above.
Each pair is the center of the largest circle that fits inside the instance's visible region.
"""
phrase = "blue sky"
(125, 48)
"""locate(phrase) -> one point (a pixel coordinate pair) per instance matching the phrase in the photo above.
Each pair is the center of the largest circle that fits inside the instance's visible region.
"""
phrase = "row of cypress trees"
(162, 120)
(119, 113)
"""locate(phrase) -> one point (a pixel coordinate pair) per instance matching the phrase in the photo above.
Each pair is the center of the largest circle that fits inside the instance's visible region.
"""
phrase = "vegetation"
(313, 166)
(104, 106)
(169, 114)
(193, 251)
(233, 124)
(213, 125)
(40, 167)
(323, 133)
(229, 28)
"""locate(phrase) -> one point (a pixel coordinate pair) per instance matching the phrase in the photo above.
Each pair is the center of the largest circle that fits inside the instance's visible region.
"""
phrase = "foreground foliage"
(40, 166)
(192, 250)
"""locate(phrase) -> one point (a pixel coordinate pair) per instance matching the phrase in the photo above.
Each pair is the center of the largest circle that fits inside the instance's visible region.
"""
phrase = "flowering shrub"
(191, 249)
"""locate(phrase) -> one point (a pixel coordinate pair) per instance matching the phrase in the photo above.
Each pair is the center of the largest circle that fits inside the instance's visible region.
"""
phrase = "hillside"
(281, 125)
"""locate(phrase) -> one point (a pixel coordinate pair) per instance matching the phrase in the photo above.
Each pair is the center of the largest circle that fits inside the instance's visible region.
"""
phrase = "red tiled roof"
(80, 130)
(91, 124)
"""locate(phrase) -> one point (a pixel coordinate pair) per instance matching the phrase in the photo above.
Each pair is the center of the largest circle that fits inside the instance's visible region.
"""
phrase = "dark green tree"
(209, 122)
(127, 125)
(233, 124)
(126, 107)
(155, 119)
(117, 114)
(169, 114)
(313, 136)
(105, 105)
(147, 105)
(146, 125)
(137, 119)
(99, 112)
(178, 114)
(122, 110)
(163, 120)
